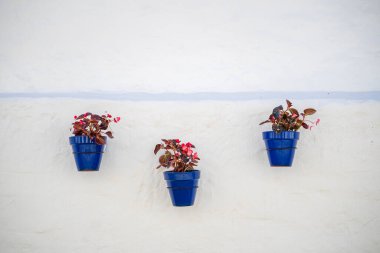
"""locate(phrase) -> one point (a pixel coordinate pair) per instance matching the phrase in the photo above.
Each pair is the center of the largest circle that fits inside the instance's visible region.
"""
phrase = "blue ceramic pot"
(182, 186)
(87, 153)
(281, 147)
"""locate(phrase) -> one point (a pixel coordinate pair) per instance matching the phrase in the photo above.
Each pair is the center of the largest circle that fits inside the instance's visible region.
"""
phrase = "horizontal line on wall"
(198, 96)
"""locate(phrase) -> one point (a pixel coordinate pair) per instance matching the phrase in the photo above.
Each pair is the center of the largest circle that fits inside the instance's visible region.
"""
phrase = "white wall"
(157, 46)
(327, 202)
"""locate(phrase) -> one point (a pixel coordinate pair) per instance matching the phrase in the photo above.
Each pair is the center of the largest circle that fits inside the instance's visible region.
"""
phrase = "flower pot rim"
(186, 175)
(83, 139)
(283, 135)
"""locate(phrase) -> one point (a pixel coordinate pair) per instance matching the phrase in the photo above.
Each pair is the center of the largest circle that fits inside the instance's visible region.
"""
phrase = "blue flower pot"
(87, 153)
(281, 147)
(182, 186)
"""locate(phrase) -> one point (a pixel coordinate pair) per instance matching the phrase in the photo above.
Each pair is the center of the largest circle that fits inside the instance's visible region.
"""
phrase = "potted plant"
(182, 181)
(282, 141)
(89, 140)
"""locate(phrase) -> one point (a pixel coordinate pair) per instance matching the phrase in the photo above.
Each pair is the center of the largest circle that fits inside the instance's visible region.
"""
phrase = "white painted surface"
(183, 46)
(327, 202)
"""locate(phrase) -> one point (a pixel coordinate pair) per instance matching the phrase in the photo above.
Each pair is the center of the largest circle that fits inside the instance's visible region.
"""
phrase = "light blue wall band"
(200, 96)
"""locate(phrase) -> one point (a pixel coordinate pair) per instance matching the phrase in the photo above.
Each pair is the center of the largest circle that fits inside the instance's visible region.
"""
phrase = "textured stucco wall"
(327, 202)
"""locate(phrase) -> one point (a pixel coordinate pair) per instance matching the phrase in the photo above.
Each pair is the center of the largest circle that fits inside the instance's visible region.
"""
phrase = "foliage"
(290, 119)
(93, 126)
(179, 156)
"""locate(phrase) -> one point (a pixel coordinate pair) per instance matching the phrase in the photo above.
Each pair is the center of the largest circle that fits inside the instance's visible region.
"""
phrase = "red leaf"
(293, 111)
(95, 117)
(157, 148)
(306, 126)
(164, 160)
(267, 121)
(309, 111)
(289, 103)
(100, 139)
(104, 124)
(109, 134)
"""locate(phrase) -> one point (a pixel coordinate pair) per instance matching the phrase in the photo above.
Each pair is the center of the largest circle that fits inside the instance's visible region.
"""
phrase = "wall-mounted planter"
(281, 147)
(87, 154)
(182, 186)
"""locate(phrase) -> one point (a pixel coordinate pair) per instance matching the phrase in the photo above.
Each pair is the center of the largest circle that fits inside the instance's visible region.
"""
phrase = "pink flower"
(85, 114)
(75, 116)
(109, 115)
(184, 147)
(117, 119)
(294, 115)
(177, 141)
(195, 155)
